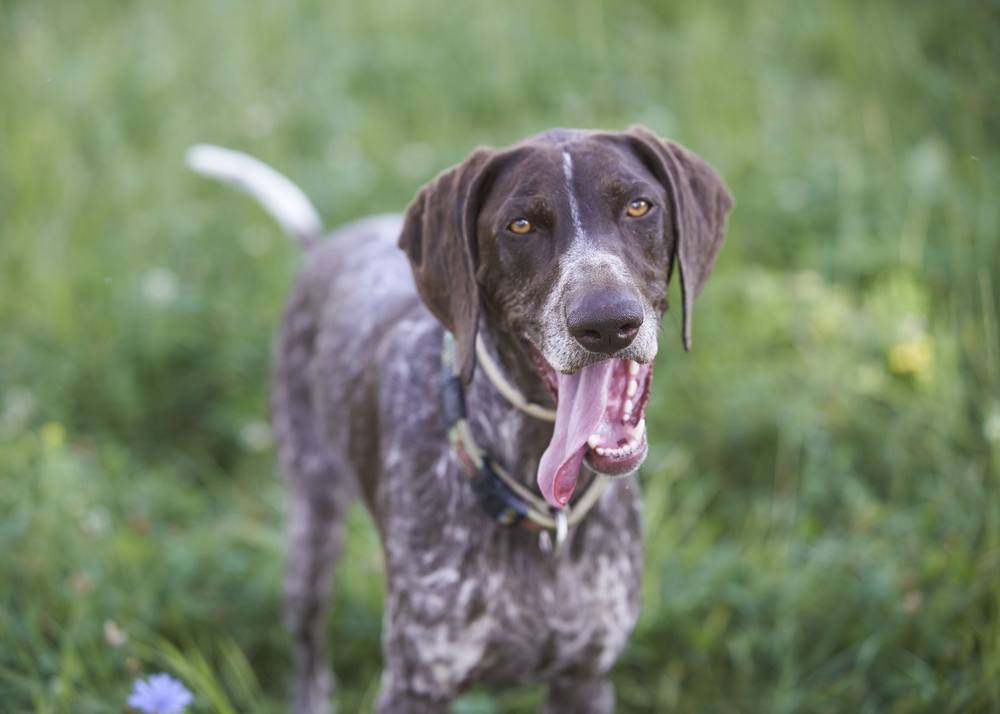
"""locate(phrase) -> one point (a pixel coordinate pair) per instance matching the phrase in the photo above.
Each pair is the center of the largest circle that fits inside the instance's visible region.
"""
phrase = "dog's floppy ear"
(439, 237)
(700, 203)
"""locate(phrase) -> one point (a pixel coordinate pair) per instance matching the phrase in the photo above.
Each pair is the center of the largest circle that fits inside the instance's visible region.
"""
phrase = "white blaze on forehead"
(583, 258)
(574, 207)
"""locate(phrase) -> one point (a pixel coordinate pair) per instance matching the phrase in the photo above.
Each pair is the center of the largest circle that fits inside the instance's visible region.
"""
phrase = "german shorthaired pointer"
(545, 263)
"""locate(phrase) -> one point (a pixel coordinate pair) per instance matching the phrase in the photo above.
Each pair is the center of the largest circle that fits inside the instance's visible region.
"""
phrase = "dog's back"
(352, 328)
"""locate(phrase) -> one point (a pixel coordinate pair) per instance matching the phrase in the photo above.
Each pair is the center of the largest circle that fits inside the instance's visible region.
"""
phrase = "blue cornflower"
(160, 694)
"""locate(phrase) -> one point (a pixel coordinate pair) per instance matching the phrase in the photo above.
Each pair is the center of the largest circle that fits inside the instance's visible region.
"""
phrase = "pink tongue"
(583, 398)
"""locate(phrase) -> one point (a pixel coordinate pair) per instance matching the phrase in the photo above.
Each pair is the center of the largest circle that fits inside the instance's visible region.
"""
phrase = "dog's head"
(566, 243)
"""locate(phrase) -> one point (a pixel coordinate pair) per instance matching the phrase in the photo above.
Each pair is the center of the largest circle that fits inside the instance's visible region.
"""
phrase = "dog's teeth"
(629, 404)
(601, 451)
(594, 441)
(633, 368)
(632, 387)
(639, 429)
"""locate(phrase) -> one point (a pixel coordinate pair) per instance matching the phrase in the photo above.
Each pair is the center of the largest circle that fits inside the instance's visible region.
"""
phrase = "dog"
(482, 391)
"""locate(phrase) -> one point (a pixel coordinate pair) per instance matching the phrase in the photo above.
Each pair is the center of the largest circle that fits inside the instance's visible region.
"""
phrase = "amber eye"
(638, 207)
(521, 226)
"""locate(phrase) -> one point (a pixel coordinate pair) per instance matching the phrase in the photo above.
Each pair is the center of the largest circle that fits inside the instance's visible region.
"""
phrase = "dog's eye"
(521, 226)
(638, 207)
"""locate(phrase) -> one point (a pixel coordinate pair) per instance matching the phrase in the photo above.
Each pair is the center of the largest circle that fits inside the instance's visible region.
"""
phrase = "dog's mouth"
(600, 417)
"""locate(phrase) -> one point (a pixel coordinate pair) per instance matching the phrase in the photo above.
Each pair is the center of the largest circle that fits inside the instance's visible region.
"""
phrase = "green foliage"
(822, 506)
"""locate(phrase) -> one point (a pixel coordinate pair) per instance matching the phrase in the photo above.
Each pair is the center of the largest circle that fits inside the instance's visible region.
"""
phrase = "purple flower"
(160, 694)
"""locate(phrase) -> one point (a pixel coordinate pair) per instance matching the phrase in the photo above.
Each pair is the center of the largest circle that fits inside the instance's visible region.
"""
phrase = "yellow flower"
(53, 434)
(913, 357)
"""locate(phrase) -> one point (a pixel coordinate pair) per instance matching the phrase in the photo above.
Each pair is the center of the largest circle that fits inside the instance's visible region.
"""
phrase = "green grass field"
(823, 490)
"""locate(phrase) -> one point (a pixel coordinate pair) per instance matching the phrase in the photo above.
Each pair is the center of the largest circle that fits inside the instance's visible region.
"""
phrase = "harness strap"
(504, 498)
(509, 392)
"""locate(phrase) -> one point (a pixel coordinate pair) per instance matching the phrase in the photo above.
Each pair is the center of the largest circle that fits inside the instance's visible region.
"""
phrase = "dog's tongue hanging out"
(582, 402)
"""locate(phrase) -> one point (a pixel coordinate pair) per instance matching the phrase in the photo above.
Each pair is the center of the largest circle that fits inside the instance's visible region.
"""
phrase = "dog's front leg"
(578, 695)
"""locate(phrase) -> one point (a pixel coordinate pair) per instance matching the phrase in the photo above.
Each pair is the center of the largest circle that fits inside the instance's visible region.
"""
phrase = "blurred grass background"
(822, 506)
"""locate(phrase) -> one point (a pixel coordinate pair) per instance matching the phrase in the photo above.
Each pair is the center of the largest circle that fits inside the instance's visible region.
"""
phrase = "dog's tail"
(276, 193)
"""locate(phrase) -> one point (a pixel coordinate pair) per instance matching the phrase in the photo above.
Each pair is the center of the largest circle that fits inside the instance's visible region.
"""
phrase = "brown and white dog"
(547, 262)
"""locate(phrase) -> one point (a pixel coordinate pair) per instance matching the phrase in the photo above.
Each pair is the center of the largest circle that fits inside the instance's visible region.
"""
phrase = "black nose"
(604, 320)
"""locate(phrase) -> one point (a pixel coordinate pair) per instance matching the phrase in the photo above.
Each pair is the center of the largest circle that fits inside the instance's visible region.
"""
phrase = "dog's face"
(573, 255)
(566, 243)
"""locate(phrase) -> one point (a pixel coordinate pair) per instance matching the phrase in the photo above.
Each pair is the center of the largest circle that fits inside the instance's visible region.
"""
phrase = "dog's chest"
(500, 611)
(575, 617)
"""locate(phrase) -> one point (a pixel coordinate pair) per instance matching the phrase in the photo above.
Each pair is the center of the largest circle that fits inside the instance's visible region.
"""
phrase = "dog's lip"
(547, 372)
(597, 359)
(618, 466)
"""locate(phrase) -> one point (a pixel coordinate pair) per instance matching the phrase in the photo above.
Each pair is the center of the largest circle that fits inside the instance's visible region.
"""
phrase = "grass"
(823, 490)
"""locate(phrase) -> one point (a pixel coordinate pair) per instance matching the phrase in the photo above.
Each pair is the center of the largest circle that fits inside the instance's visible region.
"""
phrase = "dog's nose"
(605, 321)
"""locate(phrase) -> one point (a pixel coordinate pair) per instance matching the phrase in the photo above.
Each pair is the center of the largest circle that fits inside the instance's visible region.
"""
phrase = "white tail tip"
(276, 193)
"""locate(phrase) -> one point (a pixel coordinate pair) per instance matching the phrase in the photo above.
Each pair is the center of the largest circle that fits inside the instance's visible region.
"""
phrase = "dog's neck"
(513, 438)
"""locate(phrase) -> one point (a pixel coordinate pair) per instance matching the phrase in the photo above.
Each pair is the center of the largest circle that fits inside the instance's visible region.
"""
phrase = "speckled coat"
(356, 410)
